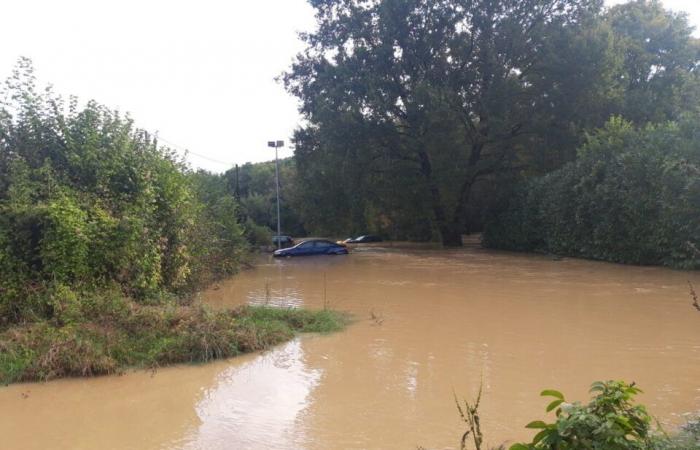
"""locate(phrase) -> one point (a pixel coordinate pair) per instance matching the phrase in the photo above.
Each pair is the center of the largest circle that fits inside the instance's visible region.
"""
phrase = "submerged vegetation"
(115, 333)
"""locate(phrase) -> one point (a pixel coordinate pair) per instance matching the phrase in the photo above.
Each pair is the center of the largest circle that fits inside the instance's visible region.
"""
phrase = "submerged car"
(282, 241)
(313, 247)
(363, 239)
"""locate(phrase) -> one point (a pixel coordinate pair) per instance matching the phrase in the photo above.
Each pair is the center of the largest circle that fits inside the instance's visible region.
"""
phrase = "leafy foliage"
(254, 186)
(632, 196)
(220, 244)
(610, 421)
(88, 201)
(418, 111)
(428, 97)
(659, 56)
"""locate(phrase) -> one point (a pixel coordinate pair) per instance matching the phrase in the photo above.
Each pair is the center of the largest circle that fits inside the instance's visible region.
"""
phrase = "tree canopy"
(413, 106)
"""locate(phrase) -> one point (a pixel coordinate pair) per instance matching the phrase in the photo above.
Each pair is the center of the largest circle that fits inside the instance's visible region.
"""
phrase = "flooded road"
(427, 323)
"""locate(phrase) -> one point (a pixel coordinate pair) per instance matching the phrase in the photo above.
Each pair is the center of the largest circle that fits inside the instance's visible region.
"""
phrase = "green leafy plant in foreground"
(609, 421)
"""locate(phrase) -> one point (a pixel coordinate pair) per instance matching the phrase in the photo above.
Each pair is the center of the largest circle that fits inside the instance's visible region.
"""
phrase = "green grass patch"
(110, 334)
(305, 321)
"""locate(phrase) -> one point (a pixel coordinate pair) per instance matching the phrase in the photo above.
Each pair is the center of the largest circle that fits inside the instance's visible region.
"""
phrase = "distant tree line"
(254, 186)
(426, 119)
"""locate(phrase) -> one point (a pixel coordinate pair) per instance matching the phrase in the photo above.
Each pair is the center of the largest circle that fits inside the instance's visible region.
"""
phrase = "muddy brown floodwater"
(427, 323)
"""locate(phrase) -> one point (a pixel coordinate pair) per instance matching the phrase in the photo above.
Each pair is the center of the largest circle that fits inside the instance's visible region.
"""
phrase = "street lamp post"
(277, 145)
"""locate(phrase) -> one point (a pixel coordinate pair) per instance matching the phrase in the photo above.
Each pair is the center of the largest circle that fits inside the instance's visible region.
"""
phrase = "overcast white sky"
(200, 73)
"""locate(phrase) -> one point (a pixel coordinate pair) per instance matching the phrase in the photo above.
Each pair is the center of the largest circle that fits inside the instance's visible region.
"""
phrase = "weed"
(268, 293)
(377, 319)
(470, 415)
(694, 296)
(469, 412)
(325, 296)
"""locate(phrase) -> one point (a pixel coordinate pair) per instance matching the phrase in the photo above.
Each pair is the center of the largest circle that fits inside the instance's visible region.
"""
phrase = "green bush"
(258, 235)
(609, 422)
(632, 196)
(89, 202)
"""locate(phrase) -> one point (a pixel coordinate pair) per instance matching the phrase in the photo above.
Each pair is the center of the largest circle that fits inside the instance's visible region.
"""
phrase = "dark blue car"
(313, 247)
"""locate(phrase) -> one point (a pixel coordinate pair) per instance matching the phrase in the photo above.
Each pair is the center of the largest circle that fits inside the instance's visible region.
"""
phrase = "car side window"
(321, 244)
(306, 245)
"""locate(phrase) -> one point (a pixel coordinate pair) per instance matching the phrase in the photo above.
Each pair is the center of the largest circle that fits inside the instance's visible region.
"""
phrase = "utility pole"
(277, 145)
(237, 187)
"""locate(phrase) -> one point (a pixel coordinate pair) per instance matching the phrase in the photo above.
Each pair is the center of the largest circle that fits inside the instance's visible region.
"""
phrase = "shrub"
(89, 202)
(610, 421)
(632, 196)
(258, 235)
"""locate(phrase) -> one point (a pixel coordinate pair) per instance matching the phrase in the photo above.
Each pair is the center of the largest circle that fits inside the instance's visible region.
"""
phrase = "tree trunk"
(450, 236)
(460, 216)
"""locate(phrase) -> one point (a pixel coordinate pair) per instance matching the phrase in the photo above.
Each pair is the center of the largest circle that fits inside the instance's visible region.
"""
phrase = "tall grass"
(110, 334)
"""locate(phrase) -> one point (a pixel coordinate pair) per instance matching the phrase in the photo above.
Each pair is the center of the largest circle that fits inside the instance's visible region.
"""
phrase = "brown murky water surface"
(427, 322)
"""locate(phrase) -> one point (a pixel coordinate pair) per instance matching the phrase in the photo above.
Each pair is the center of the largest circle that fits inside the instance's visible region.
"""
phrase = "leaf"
(598, 386)
(536, 424)
(554, 404)
(519, 447)
(539, 436)
(552, 393)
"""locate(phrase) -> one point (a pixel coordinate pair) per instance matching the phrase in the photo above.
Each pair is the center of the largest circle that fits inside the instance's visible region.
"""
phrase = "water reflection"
(284, 297)
(257, 405)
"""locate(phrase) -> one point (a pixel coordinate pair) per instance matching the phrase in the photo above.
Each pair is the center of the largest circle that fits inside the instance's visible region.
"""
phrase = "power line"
(187, 151)
(184, 149)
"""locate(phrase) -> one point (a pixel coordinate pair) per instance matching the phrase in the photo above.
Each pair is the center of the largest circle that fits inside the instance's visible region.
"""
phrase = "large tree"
(660, 61)
(445, 91)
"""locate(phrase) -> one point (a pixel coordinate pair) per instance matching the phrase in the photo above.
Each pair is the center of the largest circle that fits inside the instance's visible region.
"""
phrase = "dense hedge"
(632, 196)
(88, 202)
